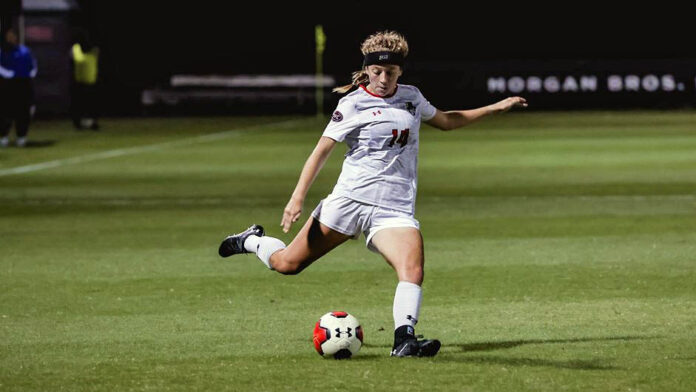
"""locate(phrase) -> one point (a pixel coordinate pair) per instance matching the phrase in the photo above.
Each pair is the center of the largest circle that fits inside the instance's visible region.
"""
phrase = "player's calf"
(285, 268)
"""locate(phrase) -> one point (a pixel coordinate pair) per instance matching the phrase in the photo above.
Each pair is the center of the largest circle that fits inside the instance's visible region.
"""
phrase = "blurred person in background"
(84, 97)
(17, 72)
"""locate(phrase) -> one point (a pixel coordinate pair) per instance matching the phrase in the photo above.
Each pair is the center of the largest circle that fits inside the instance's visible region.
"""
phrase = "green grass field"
(560, 255)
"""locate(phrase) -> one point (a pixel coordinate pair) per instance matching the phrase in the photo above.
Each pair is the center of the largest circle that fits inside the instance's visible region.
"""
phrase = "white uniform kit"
(377, 185)
(376, 190)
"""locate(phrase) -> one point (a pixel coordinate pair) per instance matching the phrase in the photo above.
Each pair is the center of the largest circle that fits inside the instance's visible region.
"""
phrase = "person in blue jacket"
(17, 71)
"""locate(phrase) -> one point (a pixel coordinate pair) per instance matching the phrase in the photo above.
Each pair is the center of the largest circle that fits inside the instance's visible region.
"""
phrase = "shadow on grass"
(369, 357)
(39, 143)
(577, 364)
(566, 364)
(490, 346)
(573, 364)
(389, 346)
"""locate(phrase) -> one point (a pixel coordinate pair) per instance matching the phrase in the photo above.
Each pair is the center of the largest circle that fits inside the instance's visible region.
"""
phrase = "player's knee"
(413, 274)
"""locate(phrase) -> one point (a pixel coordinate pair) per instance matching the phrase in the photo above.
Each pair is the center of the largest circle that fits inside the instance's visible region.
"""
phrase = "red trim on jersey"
(380, 96)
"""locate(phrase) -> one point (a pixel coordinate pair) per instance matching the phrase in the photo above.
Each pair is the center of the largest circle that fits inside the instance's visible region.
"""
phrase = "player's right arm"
(309, 173)
(77, 53)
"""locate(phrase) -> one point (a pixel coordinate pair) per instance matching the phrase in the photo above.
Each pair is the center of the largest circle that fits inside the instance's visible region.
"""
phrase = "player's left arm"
(6, 73)
(459, 118)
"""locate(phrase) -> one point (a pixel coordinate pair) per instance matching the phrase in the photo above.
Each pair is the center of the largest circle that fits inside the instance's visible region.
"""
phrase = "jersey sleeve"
(343, 121)
(427, 110)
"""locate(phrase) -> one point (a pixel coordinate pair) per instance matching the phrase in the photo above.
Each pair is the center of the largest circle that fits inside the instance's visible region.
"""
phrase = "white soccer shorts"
(352, 217)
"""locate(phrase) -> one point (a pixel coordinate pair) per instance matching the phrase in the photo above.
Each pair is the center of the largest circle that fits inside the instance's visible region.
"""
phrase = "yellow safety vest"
(85, 64)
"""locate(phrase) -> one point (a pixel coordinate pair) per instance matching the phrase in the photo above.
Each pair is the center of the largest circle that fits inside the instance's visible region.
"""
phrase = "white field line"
(119, 152)
(257, 200)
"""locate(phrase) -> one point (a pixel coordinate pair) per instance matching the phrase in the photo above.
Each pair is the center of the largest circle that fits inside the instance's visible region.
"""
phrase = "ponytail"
(359, 77)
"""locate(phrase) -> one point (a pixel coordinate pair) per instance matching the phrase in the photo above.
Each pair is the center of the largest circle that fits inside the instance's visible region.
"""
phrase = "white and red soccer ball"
(338, 335)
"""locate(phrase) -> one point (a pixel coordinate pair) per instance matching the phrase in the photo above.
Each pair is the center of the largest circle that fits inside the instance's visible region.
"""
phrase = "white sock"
(407, 304)
(264, 247)
(251, 243)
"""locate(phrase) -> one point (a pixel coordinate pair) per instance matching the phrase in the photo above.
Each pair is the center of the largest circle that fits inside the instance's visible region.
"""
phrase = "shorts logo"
(337, 116)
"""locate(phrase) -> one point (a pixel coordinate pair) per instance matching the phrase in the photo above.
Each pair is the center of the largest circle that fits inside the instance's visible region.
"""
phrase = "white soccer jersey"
(381, 165)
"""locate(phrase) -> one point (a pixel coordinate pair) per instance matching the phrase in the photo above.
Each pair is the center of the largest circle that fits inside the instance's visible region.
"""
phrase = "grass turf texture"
(560, 255)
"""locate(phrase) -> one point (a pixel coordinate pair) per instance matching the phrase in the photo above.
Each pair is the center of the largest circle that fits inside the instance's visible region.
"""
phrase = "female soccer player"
(376, 191)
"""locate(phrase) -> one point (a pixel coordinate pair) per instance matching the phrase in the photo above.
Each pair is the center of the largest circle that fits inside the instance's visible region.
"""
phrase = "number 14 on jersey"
(403, 139)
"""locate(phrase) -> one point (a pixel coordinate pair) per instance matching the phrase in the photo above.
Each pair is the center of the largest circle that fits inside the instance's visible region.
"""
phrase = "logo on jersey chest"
(407, 106)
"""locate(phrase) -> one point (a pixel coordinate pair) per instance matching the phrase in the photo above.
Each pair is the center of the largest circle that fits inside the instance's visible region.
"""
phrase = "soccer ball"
(338, 335)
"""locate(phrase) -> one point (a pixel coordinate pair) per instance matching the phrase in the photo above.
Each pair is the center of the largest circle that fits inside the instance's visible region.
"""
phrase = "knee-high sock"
(407, 302)
(264, 247)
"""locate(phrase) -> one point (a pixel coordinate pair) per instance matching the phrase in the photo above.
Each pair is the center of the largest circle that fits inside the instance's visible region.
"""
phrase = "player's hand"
(509, 103)
(291, 214)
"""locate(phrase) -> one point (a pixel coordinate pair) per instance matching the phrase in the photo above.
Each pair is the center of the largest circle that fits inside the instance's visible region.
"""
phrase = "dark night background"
(144, 43)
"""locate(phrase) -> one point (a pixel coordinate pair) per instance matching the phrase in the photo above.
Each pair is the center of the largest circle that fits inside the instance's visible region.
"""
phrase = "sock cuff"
(407, 285)
(268, 246)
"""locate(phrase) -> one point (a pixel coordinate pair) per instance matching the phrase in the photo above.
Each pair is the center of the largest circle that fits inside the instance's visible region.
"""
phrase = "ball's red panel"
(339, 314)
(359, 333)
(320, 336)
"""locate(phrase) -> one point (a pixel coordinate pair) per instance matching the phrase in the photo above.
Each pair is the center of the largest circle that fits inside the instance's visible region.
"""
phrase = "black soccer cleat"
(416, 348)
(234, 244)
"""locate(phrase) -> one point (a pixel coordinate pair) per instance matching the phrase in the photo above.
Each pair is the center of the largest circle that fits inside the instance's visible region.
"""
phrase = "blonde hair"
(380, 41)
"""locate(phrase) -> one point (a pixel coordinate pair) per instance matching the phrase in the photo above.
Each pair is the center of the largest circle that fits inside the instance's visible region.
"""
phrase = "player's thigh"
(312, 242)
(402, 248)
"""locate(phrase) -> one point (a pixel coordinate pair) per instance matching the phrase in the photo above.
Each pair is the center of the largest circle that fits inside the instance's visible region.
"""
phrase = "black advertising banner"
(562, 84)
